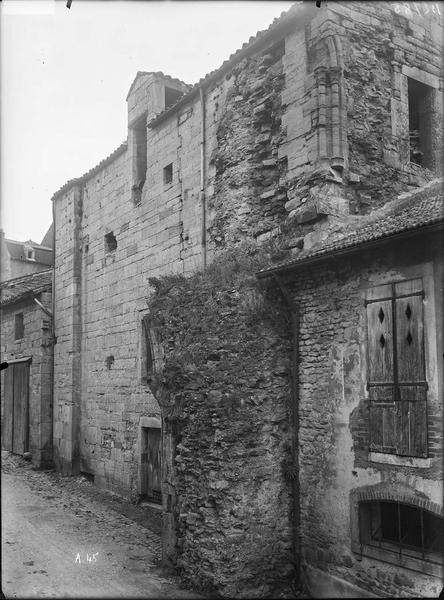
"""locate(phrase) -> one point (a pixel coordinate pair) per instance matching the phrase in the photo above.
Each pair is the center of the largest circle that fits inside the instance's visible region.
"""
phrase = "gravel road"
(64, 538)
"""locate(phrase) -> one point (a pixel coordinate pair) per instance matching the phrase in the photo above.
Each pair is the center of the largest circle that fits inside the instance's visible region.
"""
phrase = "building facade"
(314, 124)
(27, 347)
(22, 258)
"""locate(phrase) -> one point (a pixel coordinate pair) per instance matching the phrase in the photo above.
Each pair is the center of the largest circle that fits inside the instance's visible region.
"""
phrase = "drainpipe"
(53, 332)
(294, 310)
(202, 180)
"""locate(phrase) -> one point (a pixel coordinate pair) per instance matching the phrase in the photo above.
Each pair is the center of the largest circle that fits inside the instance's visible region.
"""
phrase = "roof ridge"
(77, 180)
(294, 8)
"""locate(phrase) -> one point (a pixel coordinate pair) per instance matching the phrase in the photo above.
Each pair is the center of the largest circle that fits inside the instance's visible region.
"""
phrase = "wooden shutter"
(396, 369)
(20, 426)
(411, 400)
(381, 380)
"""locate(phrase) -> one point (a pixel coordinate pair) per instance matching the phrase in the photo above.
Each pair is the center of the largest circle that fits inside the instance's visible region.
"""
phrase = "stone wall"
(334, 458)
(223, 386)
(36, 344)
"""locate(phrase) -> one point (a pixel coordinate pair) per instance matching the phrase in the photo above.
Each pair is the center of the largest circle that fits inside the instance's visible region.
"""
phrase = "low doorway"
(151, 464)
(15, 426)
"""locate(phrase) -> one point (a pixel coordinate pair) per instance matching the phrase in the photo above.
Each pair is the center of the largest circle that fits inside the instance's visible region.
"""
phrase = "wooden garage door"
(16, 415)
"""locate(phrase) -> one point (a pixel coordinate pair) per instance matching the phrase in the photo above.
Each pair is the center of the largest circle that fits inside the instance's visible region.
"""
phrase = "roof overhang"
(351, 250)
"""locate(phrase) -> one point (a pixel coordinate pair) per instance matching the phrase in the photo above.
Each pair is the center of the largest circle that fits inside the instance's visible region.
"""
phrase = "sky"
(65, 74)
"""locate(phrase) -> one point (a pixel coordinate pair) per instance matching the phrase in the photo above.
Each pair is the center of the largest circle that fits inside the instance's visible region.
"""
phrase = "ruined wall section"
(225, 391)
(248, 195)
(36, 344)
(381, 48)
(334, 458)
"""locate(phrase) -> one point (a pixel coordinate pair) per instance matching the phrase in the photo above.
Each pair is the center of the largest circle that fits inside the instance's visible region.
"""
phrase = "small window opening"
(171, 96)
(30, 253)
(420, 98)
(147, 353)
(19, 326)
(110, 242)
(402, 528)
(168, 174)
(109, 361)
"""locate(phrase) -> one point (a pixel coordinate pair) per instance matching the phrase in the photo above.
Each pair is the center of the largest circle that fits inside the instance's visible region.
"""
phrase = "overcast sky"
(65, 74)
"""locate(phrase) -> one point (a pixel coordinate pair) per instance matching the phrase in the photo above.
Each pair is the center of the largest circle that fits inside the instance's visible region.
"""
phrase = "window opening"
(403, 529)
(168, 174)
(420, 98)
(110, 242)
(147, 353)
(171, 96)
(19, 327)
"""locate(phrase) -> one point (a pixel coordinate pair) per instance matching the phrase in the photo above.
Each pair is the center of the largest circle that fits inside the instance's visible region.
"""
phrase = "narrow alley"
(63, 537)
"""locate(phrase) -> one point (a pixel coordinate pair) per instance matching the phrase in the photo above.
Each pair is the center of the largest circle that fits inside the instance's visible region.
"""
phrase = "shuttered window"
(396, 369)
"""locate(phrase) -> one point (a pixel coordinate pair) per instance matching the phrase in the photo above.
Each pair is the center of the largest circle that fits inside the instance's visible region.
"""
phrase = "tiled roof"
(42, 254)
(298, 11)
(19, 288)
(79, 180)
(410, 211)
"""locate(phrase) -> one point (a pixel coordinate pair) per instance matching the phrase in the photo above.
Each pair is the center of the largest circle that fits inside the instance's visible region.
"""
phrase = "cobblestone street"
(63, 537)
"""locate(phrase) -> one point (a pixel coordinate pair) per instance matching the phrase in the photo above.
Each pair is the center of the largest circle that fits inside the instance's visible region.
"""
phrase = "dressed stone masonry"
(313, 125)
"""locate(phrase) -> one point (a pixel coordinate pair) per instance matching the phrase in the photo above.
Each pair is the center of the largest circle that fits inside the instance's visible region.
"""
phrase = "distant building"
(22, 258)
(27, 346)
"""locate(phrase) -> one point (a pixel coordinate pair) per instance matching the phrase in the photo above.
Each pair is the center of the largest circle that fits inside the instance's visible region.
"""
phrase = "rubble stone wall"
(223, 385)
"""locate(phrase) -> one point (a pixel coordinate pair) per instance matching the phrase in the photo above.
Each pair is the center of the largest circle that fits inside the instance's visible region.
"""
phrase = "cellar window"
(402, 530)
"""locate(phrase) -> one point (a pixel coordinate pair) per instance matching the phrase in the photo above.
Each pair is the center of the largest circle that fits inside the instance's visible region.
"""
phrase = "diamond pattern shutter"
(381, 382)
(411, 401)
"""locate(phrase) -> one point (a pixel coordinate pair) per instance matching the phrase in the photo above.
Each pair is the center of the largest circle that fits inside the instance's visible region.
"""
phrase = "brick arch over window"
(411, 542)
(403, 494)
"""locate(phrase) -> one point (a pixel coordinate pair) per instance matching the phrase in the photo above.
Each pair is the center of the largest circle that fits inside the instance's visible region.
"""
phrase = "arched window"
(400, 531)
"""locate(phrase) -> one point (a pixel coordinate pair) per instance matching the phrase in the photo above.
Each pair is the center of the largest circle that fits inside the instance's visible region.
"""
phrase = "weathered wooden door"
(16, 411)
(151, 463)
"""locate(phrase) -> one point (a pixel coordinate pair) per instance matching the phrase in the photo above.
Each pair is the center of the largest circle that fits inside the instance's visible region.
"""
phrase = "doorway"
(151, 463)
(15, 430)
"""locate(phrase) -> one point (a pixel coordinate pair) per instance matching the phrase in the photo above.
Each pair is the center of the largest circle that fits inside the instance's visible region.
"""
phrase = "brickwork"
(36, 344)
(334, 456)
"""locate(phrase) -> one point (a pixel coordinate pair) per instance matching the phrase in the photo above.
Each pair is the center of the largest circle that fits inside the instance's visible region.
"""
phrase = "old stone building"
(21, 258)
(27, 347)
(308, 133)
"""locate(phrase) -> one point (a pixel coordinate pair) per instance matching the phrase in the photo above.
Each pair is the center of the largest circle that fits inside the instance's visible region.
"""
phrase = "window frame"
(390, 551)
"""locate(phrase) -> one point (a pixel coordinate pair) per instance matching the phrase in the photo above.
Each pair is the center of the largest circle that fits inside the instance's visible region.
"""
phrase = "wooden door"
(151, 462)
(16, 415)
(8, 414)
